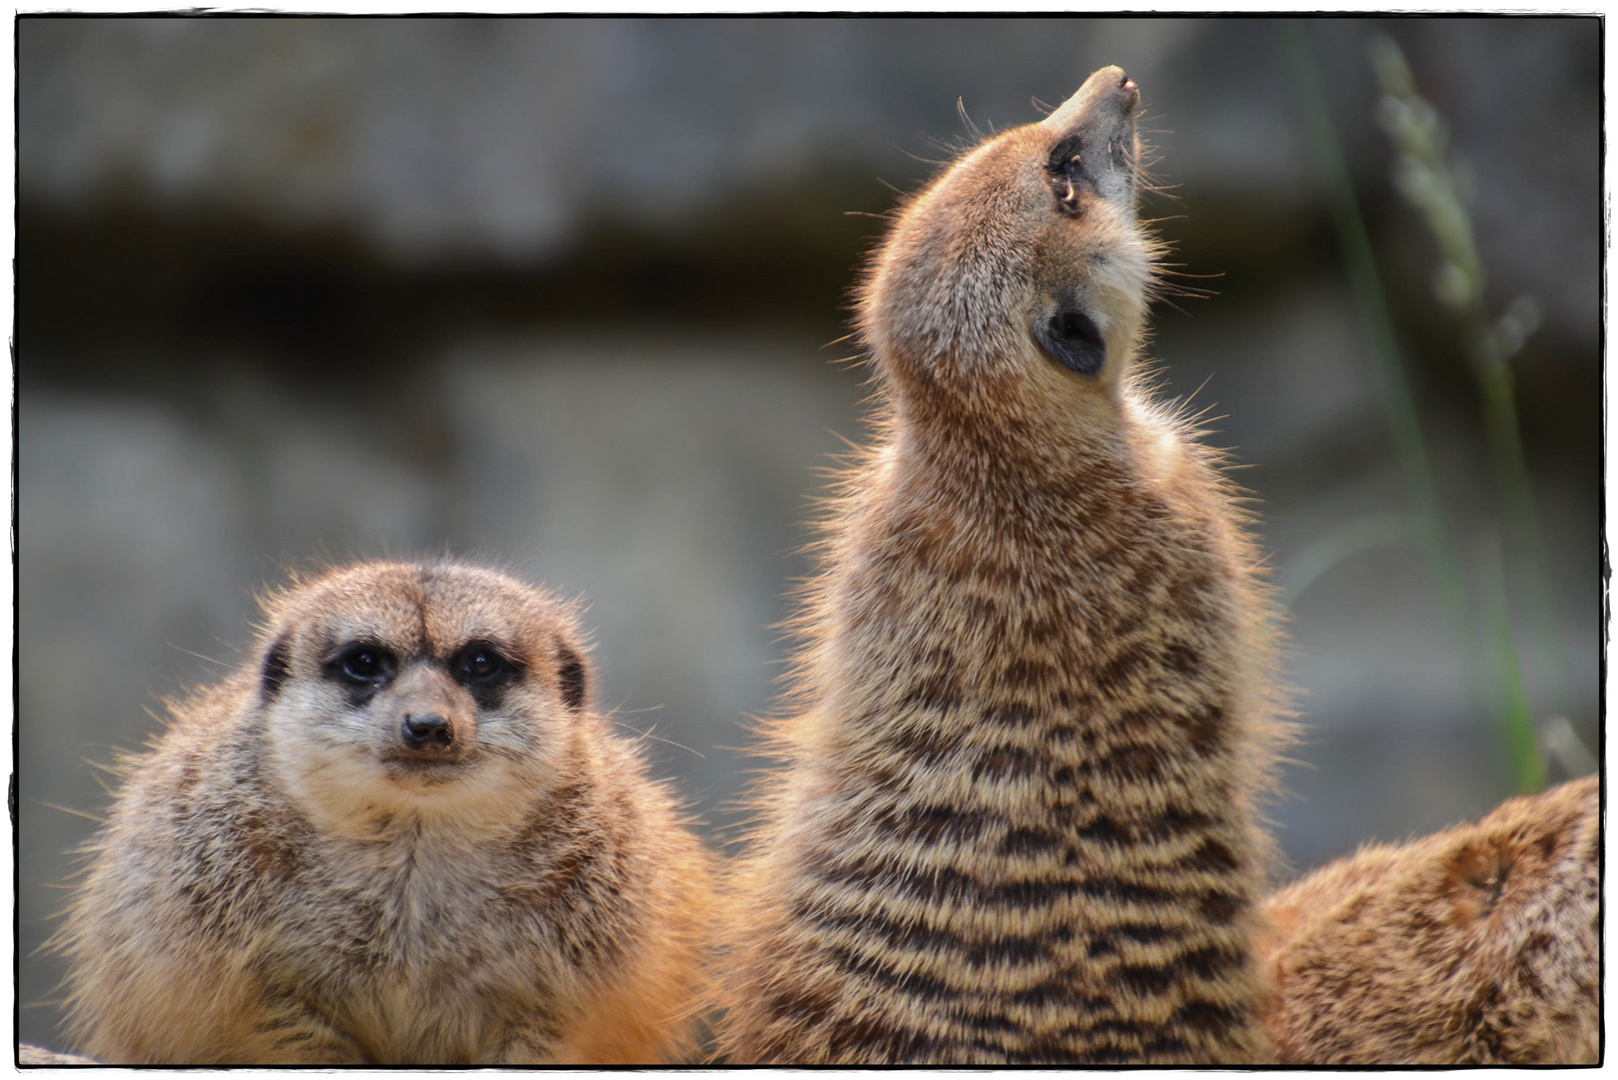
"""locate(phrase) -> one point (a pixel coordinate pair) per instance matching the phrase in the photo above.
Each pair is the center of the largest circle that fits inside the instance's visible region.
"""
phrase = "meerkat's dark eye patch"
(1073, 339)
(484, 669)
(1066, 171)
(277, 667)
(362, 667)
(1067, 159)
(570, 677)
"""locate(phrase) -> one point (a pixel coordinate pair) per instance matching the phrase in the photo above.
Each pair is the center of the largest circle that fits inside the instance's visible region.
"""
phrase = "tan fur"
(286, 877)
(1475, 946)
(1013, 822)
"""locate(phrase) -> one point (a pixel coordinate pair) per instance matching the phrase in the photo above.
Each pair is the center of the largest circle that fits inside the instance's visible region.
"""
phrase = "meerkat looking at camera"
(1014, 821)
(399, 834)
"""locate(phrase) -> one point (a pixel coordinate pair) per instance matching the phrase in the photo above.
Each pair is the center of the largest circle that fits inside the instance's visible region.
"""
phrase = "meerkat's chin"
(470, 777)
(348, 782)
(409, 772)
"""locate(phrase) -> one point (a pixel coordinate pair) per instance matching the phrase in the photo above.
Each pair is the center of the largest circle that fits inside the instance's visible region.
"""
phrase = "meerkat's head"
(1023, 266)
(394, 691)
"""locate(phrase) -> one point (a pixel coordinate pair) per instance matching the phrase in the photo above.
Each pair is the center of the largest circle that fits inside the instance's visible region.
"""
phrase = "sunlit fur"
(1012, 821)
(1475, 946)
(271, 888)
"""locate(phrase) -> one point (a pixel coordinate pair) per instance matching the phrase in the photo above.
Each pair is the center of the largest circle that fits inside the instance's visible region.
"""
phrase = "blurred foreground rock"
(38, 1055)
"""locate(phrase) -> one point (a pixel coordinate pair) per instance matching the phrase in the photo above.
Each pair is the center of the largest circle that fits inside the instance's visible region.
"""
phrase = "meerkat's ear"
(1072, 337)
(570, 677)
(277, 666)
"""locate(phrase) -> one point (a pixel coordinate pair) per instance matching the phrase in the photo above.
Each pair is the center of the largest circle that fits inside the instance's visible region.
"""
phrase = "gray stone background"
(563, 295)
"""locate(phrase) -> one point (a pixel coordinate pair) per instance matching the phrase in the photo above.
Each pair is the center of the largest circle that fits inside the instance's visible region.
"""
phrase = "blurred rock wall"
(556, 294)
(496, 138)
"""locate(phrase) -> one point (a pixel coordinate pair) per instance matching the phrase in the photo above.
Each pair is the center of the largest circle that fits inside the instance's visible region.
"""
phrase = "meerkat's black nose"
(427, 731)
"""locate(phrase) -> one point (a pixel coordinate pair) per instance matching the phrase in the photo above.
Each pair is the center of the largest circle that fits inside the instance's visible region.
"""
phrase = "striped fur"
(1013, 821)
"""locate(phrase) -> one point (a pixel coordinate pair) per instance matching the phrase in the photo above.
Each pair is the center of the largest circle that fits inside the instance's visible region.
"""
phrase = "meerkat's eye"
(361, 663)
(1073, 339)
(1065, 160)
(1065, 169)
(480, 664)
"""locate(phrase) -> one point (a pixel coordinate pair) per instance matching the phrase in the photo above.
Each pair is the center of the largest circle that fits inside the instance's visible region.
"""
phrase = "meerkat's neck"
(1037, 698)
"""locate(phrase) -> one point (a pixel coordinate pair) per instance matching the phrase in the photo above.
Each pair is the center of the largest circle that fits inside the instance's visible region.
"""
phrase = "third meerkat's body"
(1014, 820)
(1478, 945)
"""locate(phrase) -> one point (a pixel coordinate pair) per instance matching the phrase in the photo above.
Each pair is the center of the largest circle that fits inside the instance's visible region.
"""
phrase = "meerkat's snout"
(1090, 282)
(1099, 149)
(424, 709)
(425, 731)
(429, 719)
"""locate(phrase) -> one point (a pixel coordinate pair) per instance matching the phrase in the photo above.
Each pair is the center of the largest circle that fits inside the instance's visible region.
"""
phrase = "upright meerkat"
(1014, 821)
(398, 834)
(1478, 945)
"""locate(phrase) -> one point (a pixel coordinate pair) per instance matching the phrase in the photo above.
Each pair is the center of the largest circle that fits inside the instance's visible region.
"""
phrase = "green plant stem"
(1497, 391)
(1509, 701)
(1432, 187)
(1522, 745)
(1367, 286)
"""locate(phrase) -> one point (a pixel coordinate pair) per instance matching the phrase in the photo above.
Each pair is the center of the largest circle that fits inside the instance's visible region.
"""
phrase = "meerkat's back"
(1478, 945)
(1013, 822)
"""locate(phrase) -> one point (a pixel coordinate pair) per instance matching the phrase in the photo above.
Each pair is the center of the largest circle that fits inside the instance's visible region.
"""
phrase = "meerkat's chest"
(418, 952)
(389, 896)
(1041, 663)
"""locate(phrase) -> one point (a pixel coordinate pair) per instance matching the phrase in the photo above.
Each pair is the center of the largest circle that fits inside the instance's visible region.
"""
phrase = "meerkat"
(398, 834)
(1014, 821)
(1479, 945)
